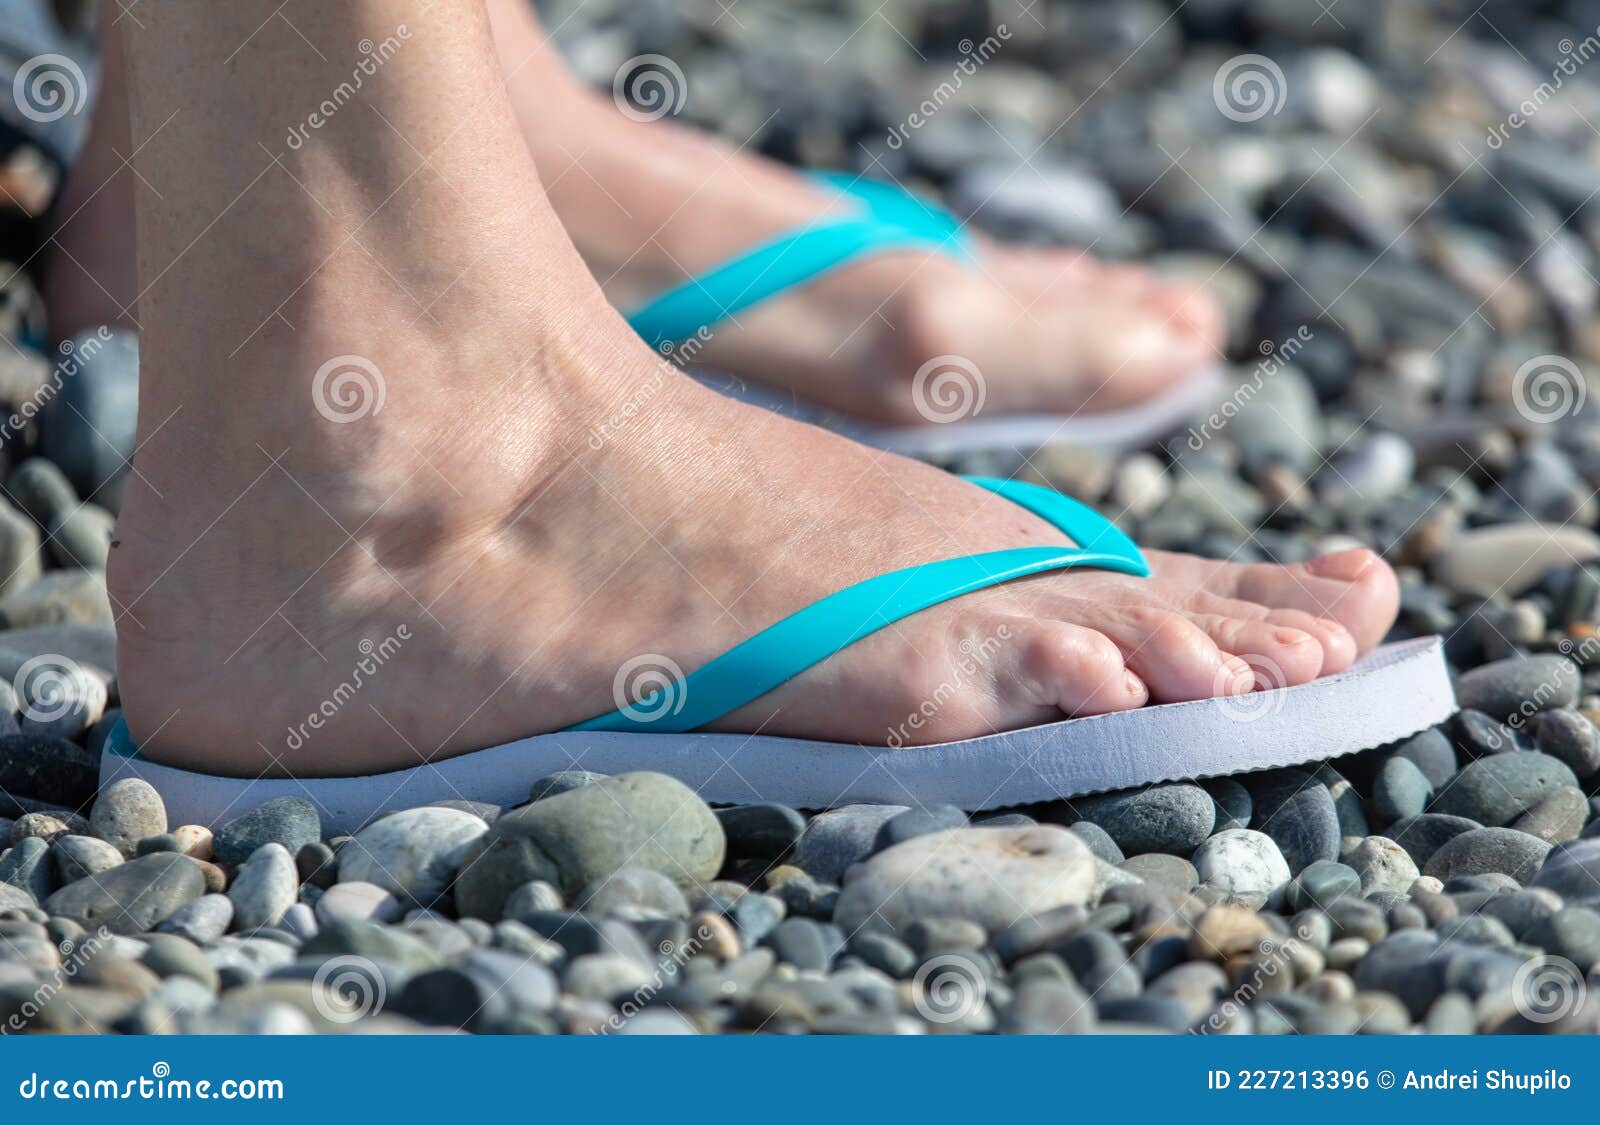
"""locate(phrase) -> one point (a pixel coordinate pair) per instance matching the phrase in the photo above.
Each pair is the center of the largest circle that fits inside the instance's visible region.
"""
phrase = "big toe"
(1356, 588)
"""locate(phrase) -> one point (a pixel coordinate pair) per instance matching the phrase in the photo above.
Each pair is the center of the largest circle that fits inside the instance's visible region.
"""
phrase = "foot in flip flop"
(394, 502)
(848, 324)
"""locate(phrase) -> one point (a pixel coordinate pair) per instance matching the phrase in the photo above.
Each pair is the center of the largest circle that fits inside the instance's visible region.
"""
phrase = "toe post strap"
(887, 218)
(805, 638)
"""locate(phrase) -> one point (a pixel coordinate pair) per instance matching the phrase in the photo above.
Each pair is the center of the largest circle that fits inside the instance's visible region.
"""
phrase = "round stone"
(645, 820)
(1572, 870)
(1246, 865)
(1486, 850)
(127, 811)
(1297, 811)
(202, 921)
(264, 887)
(290, 821)
(358, 900)
(838, 838)
(1098, 840)
(1520, 687)
(1383, 866)
(413, 854)
(1400, 790)
(605, 976)
(633, 889)
(991, 876)
(1573, 933)
(1163, 870)
(1319, 884)
(1571, 738)
(562, 781)
(918, 822)
(1432, 754)
(1558, 817)
(1232, 801)
(763, 832)
(132, 898)
(1172, 818)
(79, 857)
(1423, 835)
(28, 866)
(1496, 790)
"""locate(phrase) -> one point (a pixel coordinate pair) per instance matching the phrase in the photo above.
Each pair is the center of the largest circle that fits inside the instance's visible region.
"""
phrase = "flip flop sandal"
(1393, 693)
(888, 218)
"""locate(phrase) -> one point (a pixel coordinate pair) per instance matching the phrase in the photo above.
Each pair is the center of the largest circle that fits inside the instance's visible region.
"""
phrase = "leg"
(508, 481)
(651, 203)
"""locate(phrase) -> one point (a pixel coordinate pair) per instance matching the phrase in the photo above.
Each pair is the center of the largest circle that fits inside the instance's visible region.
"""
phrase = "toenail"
(1135, 686)
(1346, 566)
(1291, 637)
(1241, 682)
(1333, 627)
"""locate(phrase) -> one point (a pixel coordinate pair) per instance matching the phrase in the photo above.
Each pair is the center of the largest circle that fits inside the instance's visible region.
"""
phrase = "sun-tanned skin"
(538, 499)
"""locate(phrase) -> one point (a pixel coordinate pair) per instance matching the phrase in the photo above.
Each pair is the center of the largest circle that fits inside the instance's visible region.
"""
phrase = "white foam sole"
(1129, 428)
(1390, 694)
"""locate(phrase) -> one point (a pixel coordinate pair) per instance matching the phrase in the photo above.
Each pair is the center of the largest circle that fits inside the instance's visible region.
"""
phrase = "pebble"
(533, 897)
(563, 781)
(1572, 932)
(413, 854)
(1173, 818)
(841, 837)
(1572, 870)
(1383, 866)
(1346, 802)
(133, 897)
(1246, 865)
(62, 700)
(1399, 791)
(918, 822)
(201, 921)
(1509, 558)
(636, 889)
(1233, 803)
(28, 866)
(51, 770)
(1520, 687)
(604, 976)
(1099, 841)
(1496, 790)
(1486, 850)
(358, 900)
(128, 810)
(1432, 754)
(991, 876)
(1570, 738)
(264, 887)
(1298, 813)
(569, 840)
(1558, 817)
(763, 832)
(1423, 835)
(290, 821)
(1163, 870)
(80, 857)
(1319, 884)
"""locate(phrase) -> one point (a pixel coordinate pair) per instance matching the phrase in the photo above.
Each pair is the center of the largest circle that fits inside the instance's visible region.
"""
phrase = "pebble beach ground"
(1395, 210)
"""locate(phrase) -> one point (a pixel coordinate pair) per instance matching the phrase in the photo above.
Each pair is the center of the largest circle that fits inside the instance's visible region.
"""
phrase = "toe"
(1176, 658)
(1278, 654)
(1355, 588)
(1076, 669)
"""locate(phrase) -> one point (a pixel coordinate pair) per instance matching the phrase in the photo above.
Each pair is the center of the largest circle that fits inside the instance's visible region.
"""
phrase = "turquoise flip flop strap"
(890, 219)
(782, 651)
